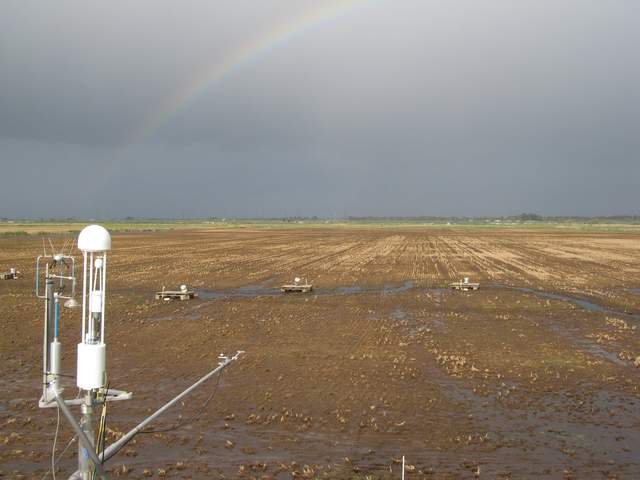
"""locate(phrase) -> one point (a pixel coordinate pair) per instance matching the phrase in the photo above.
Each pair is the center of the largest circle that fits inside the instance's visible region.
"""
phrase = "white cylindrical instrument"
(91, 365)
(94, 241)
(96, 301)
(54, 351)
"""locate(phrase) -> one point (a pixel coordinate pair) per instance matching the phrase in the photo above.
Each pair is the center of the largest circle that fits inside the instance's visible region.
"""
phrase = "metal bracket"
(112, 395)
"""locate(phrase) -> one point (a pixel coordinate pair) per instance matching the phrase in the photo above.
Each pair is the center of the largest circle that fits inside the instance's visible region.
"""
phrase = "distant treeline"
(523, 217)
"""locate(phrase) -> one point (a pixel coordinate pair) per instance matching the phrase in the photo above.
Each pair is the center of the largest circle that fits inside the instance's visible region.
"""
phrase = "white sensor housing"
(94, 238)
(91, 366)
(94, 241)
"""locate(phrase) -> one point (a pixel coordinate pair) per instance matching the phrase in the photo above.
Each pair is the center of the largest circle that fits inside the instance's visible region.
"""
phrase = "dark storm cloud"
(392, 108)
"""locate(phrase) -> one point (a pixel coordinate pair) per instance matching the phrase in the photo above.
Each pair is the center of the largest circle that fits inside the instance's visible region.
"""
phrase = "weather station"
(55, 281)
(58, 271)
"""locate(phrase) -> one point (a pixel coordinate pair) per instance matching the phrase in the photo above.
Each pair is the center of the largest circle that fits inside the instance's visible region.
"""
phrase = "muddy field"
(533, 376)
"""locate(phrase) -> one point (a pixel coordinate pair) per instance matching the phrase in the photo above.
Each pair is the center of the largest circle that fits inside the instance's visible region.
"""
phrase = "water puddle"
(386, 289)
(583, 344)
(416, 327)
(580, 302)
(439, 324)
(348, 290)
(389, 289)
(586, 345)
(263, 290)
(598, 351)
(251, 291)
(437, 290)
(549, 429)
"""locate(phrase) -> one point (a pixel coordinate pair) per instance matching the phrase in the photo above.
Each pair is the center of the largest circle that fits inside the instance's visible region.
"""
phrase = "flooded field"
(533, 376)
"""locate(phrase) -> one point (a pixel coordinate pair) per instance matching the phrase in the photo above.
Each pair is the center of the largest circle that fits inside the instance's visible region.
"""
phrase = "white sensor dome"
(94, 238)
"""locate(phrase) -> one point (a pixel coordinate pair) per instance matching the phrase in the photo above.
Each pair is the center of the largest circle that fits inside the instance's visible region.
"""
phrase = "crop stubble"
(496, 383)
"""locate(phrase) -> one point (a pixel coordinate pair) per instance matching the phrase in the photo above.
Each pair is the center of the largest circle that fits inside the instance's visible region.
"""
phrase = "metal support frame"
(223, 361)
(111, 395)
(86, 449)
(50, 296)
(61, 267)
(113, 449)
(48, 303)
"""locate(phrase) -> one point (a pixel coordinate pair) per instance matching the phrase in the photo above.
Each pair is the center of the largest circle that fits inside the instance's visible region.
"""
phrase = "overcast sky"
(380, 107)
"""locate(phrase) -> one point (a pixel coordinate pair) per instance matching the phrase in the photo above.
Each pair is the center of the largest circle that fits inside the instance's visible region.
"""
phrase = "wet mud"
(379, 361)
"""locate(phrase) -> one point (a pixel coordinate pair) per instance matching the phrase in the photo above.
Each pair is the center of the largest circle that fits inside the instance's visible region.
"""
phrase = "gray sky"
(380, 107)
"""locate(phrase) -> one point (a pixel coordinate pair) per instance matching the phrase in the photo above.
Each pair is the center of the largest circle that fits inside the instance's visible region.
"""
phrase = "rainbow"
(205, 78)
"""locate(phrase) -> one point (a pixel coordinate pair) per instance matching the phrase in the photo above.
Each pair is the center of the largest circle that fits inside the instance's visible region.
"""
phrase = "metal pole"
(103, 286)
(83, 439)
(44, 346)
(86, 424)
(48, 303)
(113, 448)
(84, 292)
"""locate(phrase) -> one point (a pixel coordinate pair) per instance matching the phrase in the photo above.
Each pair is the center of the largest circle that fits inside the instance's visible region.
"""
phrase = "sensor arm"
(115, 447)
